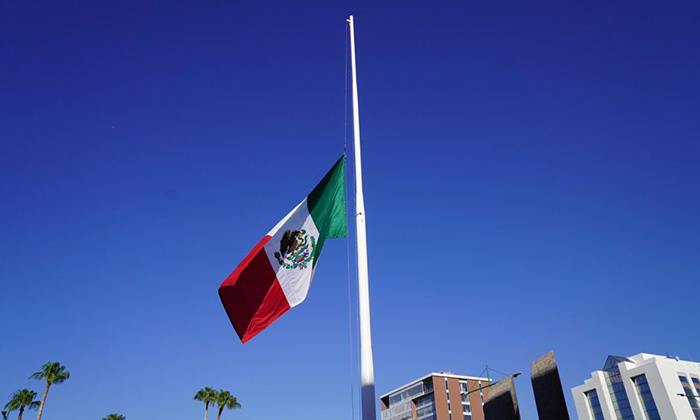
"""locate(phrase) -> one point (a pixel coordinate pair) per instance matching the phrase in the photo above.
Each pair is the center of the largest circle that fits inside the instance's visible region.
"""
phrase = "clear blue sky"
(531, 177)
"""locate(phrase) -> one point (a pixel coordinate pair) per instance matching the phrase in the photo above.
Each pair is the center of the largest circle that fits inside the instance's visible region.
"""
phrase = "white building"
(641, 387)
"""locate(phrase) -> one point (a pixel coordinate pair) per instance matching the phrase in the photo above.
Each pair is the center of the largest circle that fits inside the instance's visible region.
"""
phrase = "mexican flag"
(276, 275)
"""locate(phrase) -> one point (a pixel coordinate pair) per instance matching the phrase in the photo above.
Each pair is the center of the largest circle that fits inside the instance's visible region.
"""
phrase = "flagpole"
(367, 402)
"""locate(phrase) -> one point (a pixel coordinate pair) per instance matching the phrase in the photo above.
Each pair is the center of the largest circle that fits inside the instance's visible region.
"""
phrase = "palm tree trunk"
(43, 400)
(21, 411)
(221, 410)
(206, 411)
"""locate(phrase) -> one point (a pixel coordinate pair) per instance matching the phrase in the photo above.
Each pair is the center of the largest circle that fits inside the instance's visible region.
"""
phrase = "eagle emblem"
(296, 249)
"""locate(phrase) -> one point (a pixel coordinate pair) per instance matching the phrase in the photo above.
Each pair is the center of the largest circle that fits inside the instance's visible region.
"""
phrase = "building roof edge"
(442, 374)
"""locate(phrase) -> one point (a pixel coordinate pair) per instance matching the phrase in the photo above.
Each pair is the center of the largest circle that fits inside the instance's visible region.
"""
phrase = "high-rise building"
(437, 396)
(641, 387)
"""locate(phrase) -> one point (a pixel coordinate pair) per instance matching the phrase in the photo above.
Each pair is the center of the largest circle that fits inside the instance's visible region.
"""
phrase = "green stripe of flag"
(326, 205)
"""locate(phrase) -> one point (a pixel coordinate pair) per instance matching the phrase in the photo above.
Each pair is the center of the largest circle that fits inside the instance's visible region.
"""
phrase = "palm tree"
(54, 373)
(22, 399)
(224, 399)
(115, 417)
(206, 395)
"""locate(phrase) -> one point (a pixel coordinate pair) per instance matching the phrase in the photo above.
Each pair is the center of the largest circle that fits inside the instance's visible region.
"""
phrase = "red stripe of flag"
(251, 295)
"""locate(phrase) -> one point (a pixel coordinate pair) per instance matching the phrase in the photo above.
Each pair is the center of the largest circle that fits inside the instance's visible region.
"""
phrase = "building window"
(447, 389)
(690, 396)
(400, 405)
(594, 404)
(623, 410)
(644, 392)
(696, 384)
(466, 409)
(406, 394)
(425, 408)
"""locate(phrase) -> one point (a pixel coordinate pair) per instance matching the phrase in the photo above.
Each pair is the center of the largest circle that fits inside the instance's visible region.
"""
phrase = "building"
(437, 396)
(641, 387)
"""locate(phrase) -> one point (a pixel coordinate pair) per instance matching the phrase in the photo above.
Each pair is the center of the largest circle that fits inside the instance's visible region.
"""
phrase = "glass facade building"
(690, 396)
(644, 393)
(401, 402)
(425, 408)
(594, 405)
(616, 388)
(641, 387)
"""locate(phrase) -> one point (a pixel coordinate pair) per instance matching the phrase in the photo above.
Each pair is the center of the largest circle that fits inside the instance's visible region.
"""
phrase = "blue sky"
(531, 183)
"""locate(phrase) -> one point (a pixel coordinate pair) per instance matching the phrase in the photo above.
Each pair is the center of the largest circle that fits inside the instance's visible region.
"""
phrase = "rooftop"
(441, 374)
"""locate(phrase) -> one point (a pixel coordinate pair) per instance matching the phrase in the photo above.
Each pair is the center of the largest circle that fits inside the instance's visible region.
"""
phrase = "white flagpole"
(369, 411)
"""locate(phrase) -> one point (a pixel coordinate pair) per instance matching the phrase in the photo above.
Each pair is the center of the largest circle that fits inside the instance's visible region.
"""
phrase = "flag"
(276, 275)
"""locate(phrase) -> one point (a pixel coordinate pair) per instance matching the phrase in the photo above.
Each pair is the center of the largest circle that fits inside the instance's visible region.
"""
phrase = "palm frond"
(22, 398)
(53, 372)
(206, 395)
(226, 400)
(114, 417)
